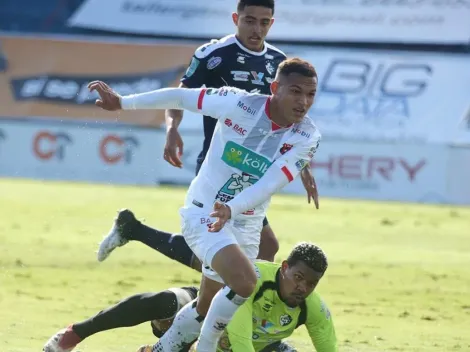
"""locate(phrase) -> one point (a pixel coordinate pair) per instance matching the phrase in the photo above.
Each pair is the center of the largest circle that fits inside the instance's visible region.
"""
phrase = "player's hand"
(109, 99)
(310, 186)
(173, 147)
(223, 213)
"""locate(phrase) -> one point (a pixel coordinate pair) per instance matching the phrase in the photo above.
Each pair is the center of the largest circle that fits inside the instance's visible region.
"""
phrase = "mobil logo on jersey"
(48, 145)
(245, 160)
(246, 108)
(370, 91)
(114, 149)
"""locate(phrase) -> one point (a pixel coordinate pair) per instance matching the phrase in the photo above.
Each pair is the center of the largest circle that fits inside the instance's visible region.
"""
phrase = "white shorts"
(195, 223)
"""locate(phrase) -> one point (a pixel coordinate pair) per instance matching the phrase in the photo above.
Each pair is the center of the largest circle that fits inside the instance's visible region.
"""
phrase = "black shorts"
(199, 162)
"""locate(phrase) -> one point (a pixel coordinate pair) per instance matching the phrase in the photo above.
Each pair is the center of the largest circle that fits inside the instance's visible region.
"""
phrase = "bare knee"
(243, 281)
(236, 270)
(269, 245)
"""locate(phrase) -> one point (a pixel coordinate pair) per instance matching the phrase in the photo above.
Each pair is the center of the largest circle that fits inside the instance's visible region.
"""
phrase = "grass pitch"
(399, 276)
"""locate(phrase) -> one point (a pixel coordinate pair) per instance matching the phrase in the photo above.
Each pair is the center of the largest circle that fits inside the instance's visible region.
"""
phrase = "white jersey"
(245, 144)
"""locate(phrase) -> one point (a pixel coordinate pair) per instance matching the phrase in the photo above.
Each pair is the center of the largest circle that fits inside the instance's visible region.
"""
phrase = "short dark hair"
(312, 255)
(296, 65)
(263, 3)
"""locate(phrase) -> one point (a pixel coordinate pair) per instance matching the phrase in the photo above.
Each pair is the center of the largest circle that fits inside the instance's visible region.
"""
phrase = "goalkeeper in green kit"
(284, 299)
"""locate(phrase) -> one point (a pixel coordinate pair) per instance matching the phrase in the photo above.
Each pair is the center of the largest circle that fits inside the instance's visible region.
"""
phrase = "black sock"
(131, 311)
(172, 246)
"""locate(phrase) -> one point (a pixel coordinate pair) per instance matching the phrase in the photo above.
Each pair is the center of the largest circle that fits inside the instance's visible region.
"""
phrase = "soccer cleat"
(63, 341)
(118, 235)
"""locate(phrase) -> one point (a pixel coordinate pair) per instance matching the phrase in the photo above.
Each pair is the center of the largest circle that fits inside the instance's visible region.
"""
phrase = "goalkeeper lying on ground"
(283, 300)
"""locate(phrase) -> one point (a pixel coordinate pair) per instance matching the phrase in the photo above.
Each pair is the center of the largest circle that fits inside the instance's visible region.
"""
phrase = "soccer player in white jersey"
(268, 138)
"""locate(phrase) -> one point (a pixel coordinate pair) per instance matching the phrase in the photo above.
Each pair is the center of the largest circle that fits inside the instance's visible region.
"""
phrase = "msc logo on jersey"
(285, 320)
(245, 160)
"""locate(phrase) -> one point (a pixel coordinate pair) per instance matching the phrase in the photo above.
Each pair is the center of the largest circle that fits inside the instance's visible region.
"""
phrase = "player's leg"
(131, 311)
(269, 244)
(127, 228)
(237, 272)
(188, 322)
(224, 262)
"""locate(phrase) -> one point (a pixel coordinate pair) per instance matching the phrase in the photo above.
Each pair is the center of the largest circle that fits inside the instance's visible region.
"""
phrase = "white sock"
(223, 307)
(185, 329)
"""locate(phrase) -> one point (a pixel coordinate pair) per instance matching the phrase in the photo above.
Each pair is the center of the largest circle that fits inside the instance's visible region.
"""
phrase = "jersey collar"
(255, 53)
(274, 126)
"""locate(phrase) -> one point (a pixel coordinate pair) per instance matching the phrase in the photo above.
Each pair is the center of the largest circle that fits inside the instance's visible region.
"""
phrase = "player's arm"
(321, 328)
(213, 102)
(284, 170)
(207, 101)
(173, 117)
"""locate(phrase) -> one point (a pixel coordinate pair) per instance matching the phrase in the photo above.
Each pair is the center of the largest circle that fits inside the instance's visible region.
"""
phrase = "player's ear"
(235, 18)
(284, 267)
(274, 87)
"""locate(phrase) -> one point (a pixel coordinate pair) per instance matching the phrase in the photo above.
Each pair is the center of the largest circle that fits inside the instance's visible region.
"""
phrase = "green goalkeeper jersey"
(265, 318)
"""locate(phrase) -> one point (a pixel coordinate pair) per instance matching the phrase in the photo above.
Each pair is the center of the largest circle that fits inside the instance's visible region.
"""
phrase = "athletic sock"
(184, 331)
(131, 311)
(173, 246)
(223, 307)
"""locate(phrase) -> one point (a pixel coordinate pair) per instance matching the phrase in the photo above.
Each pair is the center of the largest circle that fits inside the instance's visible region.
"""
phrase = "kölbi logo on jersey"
(245, 160)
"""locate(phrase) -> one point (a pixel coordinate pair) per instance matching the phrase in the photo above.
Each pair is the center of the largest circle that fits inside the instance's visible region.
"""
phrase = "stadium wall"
(123, 154)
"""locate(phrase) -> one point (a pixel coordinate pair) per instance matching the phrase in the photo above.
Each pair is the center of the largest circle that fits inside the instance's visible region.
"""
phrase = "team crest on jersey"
(285, 148)
(285, 320)
(270, 67)
(213, 62)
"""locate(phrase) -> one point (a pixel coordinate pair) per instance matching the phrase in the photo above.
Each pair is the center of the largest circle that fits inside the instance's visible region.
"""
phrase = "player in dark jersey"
(158, 308)
(243, 60)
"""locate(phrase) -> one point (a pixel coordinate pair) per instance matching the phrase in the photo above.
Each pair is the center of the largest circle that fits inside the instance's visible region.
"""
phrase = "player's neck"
(276, 115)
